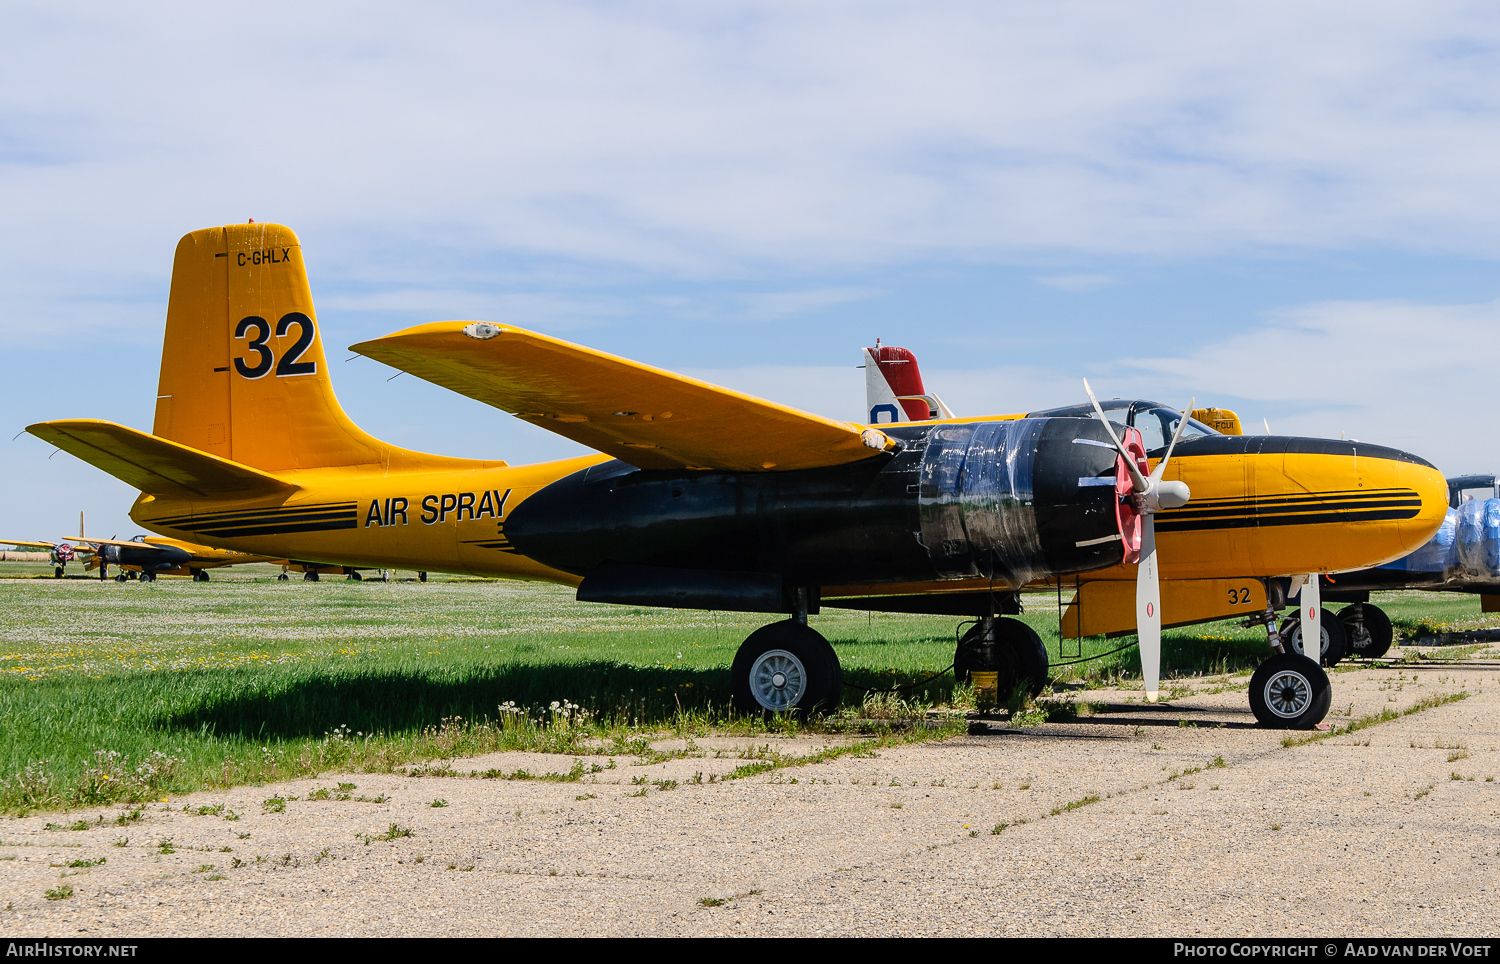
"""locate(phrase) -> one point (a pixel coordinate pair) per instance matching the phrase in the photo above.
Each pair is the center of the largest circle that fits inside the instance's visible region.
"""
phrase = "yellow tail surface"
(243, 373)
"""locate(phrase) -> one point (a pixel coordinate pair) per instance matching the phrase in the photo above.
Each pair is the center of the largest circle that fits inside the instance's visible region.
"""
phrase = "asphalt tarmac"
(1178, 820)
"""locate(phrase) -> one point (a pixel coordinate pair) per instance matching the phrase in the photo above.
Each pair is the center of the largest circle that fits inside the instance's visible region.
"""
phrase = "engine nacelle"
(1003, 501)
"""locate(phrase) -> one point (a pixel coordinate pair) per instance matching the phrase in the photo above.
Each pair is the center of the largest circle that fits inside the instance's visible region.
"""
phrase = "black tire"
(421, 577)
(119, 577)
(57, 572)
(1334, 642)
(354, 575)
(148, 577)
(282, 578)
(797, 655)
(1019, 655)
(1290, 692)
(310, 575)
(1378, 632)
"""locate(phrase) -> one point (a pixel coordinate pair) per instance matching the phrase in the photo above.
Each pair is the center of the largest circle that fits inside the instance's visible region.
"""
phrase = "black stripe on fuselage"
(1314, 498)
(278, 520)
(1335, 516)
(257, 515)
(278, 529)
(1412, 505)
(1349, 505)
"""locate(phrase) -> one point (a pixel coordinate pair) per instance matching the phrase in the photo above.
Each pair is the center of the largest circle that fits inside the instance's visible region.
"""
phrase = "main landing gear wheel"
(1369, 632)
(57, 572)
(119, 577)
(1007, 646)
(310, 575)
(148, 577)
(1333, 638)
(785, 667)
(1290, 692)
(282, 578)
(200, 575)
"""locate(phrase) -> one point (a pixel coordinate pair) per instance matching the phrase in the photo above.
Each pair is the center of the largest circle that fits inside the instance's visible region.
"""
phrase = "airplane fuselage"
(947, 513)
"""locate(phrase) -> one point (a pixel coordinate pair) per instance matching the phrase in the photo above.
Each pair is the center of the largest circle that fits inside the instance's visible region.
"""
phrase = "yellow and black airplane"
(701, 497)
(152, 556)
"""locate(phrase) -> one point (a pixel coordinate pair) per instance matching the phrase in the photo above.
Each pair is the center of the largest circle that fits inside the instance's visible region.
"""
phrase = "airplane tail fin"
(243, 373)
(893, 388)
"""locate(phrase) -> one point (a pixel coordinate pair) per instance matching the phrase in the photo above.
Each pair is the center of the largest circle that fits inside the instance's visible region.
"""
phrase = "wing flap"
(154, 465)
(649, 417)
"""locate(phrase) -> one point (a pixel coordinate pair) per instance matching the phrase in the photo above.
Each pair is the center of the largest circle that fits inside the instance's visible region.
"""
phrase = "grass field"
(128, 691)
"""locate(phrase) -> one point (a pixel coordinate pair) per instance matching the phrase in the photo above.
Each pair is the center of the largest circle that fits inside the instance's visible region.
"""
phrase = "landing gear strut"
(1290, 691)
(1006, 646)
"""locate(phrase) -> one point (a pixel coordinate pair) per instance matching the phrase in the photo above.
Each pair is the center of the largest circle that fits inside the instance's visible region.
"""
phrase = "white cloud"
(739, 139)
(1418, 377)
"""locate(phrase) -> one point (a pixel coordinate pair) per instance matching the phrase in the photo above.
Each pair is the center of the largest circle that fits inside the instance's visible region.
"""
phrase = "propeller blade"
(1148, 610)
(1311, 606)
(1137, 480)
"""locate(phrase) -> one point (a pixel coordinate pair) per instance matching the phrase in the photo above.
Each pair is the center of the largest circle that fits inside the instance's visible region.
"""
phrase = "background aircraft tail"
(893, 388)
(243, 373)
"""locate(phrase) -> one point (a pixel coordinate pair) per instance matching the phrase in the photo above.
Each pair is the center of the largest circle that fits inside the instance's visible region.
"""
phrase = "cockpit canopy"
(1156, 422)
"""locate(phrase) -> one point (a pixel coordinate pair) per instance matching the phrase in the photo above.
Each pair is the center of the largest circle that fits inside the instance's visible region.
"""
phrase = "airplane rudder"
(192, 405)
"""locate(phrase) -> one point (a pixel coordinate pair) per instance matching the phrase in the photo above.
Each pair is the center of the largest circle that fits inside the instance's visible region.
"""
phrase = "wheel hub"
(778, 680)
(1288, 694)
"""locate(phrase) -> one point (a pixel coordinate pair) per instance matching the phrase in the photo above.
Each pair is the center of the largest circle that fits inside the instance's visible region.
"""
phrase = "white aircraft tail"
(894, 390)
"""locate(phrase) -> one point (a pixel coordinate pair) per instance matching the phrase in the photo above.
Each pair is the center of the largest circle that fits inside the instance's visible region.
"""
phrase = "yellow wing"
(646, 416)
(155, 465)
(28, 545)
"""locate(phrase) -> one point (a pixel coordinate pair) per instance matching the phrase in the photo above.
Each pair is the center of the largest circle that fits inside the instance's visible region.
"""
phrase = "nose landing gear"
(1289, 691)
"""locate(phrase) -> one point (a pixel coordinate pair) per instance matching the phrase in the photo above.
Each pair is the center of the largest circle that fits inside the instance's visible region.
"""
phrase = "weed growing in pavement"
(1385, 715)
(58, 893)
(1076, 804)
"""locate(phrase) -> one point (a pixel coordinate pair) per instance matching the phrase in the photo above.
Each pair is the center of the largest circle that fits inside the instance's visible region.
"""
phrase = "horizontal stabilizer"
(155, 465)
(649, 417)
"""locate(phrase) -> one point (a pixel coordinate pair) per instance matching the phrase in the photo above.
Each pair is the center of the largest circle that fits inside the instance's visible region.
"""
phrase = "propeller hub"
(1172, 495)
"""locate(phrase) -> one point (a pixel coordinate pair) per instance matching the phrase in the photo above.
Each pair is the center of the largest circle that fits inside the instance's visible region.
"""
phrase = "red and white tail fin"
(893, 388)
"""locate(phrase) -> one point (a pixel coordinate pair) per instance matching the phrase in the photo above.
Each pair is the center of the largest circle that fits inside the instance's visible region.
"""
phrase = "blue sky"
(1286, 210)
